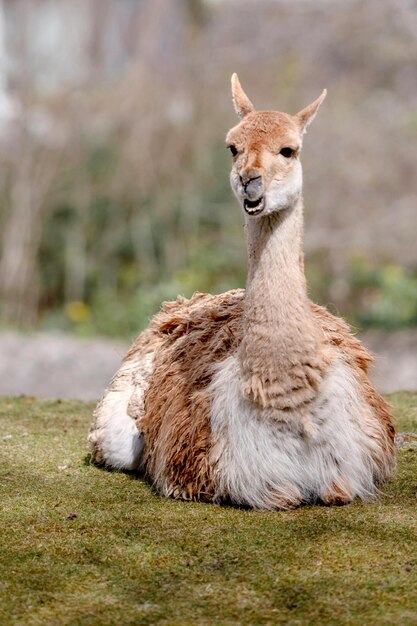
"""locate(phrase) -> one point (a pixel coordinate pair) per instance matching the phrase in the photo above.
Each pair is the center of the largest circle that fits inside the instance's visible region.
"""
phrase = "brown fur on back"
(195, 334)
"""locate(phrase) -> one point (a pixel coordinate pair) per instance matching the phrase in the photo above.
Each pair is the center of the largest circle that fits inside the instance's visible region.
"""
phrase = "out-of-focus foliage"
(387, 295)
(114, 190)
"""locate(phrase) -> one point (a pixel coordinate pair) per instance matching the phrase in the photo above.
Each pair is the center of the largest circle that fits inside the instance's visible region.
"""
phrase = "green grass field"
(80, 545)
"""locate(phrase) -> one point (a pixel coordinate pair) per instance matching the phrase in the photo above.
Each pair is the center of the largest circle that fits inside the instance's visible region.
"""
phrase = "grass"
(80, 545)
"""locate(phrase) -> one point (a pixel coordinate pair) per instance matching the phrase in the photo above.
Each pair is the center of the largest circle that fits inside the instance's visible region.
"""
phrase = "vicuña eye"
(233, 150)
(287, 152)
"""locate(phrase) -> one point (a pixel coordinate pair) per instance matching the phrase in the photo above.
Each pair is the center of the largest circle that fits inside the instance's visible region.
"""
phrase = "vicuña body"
(255, 397)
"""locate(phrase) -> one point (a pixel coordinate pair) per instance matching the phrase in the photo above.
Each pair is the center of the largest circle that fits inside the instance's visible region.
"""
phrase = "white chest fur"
(259, 459)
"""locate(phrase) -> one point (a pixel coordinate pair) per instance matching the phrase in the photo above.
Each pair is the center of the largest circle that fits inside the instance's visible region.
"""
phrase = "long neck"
(275, 246)
(280, 352)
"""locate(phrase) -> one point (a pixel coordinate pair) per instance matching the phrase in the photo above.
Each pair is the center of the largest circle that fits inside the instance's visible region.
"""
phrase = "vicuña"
(256, 397)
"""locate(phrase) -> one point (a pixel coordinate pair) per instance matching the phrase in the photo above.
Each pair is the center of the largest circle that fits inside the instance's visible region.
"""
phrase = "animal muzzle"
(253, 189)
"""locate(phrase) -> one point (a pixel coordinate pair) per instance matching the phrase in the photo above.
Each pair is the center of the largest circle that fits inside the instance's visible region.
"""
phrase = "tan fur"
(284, 343)
(241, 102)
(197, 333)
(283, 356)
(337, 495)
(193, 335)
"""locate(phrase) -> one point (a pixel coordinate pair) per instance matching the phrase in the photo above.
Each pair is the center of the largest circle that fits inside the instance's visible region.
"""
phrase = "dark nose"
(252, 186)
(247, 175)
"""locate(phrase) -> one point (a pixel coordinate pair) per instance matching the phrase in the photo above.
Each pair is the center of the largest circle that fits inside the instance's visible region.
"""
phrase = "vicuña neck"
(280, 352)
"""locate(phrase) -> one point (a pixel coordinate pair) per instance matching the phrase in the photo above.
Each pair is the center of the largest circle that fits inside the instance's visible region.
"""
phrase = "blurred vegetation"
(387, 296)
(114, 191)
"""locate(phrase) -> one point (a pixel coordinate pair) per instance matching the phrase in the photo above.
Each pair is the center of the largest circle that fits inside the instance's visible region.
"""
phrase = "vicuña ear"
(241, 102)
(307, 115)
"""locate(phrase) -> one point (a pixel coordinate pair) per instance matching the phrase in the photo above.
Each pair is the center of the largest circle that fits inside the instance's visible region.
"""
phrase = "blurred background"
(114, 191)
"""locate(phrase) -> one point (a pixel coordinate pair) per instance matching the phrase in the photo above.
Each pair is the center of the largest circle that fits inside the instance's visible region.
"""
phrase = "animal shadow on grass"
(132, 474)
(141, 476)
(224, 503)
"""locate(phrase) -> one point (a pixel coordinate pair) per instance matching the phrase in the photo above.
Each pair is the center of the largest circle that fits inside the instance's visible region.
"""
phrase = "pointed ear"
(241, 102)
(307, 115)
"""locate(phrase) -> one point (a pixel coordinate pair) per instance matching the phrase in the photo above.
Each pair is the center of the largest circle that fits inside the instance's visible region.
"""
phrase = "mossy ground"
(80, 545)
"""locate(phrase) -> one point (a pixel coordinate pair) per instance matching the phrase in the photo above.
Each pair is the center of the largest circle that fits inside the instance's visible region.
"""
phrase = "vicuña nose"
(253, 187)
(247, 177)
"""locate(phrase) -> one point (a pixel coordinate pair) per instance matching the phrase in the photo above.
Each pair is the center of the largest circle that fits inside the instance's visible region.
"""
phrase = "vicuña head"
(266, 175)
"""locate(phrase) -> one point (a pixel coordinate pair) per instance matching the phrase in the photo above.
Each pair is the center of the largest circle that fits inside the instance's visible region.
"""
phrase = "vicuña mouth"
(253, 207)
